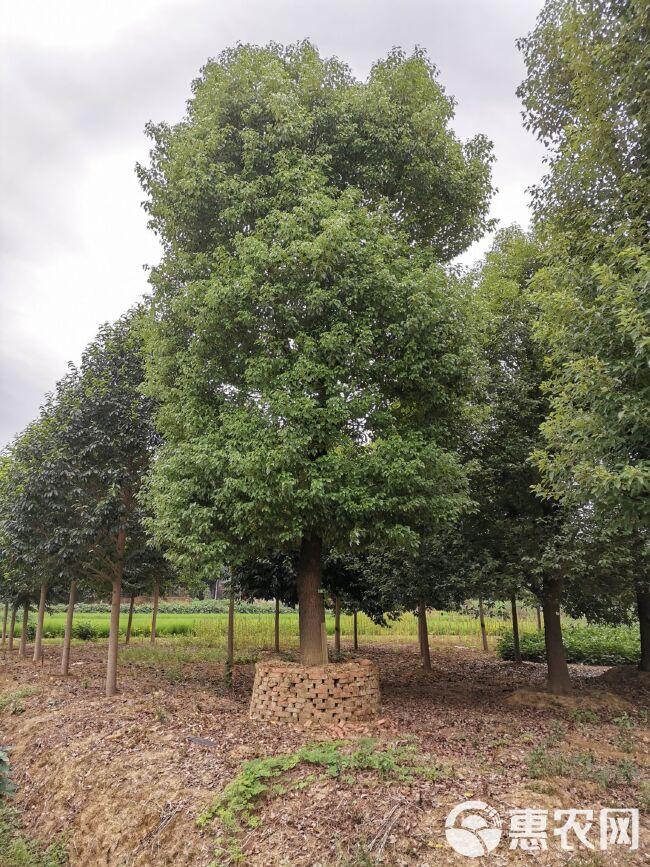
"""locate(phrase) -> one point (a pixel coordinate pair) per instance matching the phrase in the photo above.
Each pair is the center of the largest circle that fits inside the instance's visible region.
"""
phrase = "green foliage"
(6, 786)
(311, 356)
(586, 97)
(17, 850)
(9, 699)
(236, 807)
(196, 606)
(84, 631)
(589, 645)
(584, 715)
(545, 761)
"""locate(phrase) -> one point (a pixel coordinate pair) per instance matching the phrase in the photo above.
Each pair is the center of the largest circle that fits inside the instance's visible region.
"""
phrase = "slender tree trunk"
(481, 614)
(515, 629)
(277, 624)
(643, 607)
(230, 660)
(38, 640)
(22, 650)
(337, 625)
(355, 631)
(12, 627)
(129, 623)
(424, 633)
(539, 618)
(559, 681)
(311, 608)
(154, 614)
(420, 633)
(5, 617)
(114, 634)
(67, 638)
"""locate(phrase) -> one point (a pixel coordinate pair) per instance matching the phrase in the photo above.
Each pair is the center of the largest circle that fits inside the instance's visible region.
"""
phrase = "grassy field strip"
(256, 630)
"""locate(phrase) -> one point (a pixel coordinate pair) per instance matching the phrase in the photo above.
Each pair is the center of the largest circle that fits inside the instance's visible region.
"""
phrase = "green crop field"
(255, 631)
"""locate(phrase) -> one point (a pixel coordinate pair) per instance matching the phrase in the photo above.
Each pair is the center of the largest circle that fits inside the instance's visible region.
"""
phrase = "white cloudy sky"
(78, 81)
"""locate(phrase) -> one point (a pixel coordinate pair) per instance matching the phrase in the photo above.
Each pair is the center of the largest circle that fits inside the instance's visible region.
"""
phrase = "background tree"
(110, 433)
(586, 97)
(515, 535)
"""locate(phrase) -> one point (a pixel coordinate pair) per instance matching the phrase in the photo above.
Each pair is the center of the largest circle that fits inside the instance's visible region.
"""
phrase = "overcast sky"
(80, 78)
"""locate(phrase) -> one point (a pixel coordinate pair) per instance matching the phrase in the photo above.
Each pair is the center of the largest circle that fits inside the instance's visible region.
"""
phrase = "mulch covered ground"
(124, 780)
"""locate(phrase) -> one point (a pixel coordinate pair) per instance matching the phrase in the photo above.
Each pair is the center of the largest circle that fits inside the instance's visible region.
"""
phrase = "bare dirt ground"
(122, 779)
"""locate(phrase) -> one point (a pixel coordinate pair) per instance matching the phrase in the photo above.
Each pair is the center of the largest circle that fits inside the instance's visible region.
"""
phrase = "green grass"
(590, 645)
(18, 850)
(11, 699)
(256, 630)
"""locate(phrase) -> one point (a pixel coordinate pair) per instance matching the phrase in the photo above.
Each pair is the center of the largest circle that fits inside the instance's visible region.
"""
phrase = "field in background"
(256, 631)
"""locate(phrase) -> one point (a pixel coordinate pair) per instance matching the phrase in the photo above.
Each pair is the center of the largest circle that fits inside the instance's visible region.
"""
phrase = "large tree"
(310, 354)
(515, 535)
(586, 96)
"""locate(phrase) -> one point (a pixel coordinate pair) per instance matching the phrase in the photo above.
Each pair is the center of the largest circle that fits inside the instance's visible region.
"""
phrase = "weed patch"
(19, 850)
(12, 699)
(236, 807)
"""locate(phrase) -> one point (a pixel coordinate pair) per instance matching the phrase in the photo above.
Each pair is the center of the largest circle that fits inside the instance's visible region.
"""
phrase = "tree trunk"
(559, 681)
(337, 625)
(355, 630)
(230, 660)
(5, 618)
(12, 627)
(277, 624)
(311, 608)
(38, 640)
(22, 650)
(424, 636)
(643, 607)
(114, 634)
(154, 614)
(515, 629)
(129, 622)
(65, 658)
(420, 633)
(539, 618)
(481, 614)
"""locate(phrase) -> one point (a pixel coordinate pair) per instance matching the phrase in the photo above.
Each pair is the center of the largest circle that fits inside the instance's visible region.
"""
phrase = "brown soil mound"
(592, 699)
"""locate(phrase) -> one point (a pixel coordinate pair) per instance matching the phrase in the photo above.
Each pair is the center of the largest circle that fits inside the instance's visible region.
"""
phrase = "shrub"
(589, 645)
(85, 631)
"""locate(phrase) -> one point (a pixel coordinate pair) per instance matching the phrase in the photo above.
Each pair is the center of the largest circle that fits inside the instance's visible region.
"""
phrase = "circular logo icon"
(473, 829)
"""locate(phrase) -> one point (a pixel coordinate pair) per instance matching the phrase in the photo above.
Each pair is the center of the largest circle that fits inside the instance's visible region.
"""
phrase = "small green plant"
(11, 700)
(624, 739)
(236, 806)
(6, 786)
(644, 796)
(584, 715)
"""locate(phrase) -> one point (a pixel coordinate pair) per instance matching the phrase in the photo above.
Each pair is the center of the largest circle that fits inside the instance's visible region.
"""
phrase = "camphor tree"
(587, 99)
(109, 432)
(515, 534)
(309, 352)
(36, 509)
